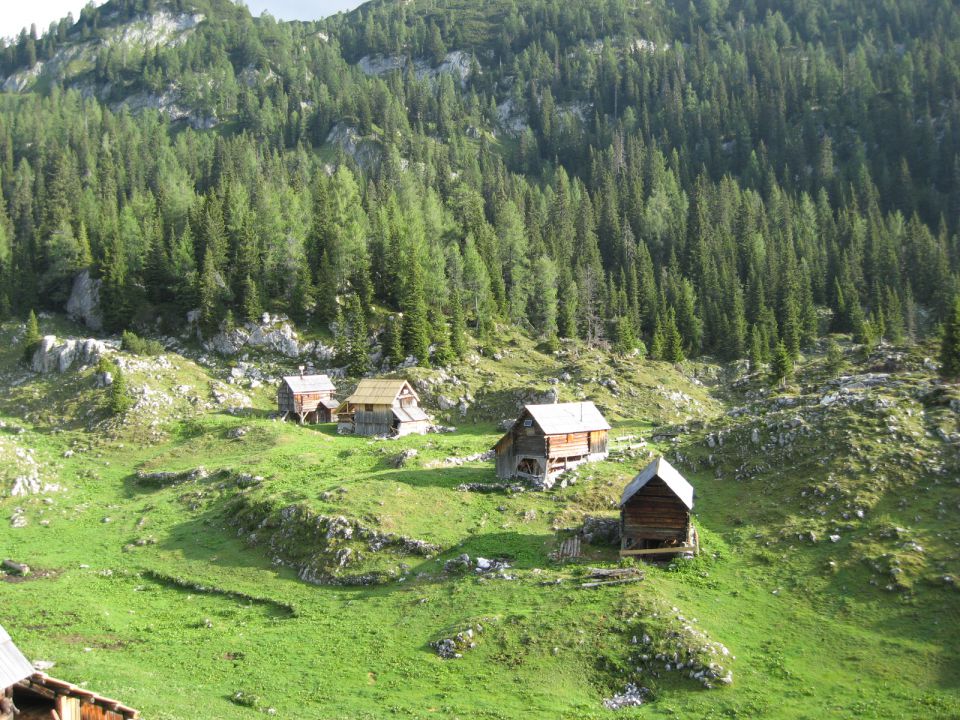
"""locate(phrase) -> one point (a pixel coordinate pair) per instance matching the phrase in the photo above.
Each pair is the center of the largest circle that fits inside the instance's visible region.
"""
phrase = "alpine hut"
(655, 513)
(307, 397)
(548, 439)
(383, 407)
(26, 694)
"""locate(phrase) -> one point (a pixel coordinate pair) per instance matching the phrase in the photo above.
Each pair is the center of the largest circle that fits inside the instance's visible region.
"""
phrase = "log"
(611, 582)
(659, 551)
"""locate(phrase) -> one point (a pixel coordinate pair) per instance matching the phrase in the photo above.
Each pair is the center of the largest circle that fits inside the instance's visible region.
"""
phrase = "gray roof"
(14, 667)
(665, 471)
(410, 414)
(309, 383)
(559, 418)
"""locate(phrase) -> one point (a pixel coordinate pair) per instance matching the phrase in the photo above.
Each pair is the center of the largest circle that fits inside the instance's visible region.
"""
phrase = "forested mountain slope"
(715, 177)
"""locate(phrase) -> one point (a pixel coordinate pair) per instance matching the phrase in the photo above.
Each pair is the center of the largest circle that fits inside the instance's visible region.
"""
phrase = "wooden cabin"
(655, 513)
(548, 439)
(29, 695)
(307, 397)
(383, 407)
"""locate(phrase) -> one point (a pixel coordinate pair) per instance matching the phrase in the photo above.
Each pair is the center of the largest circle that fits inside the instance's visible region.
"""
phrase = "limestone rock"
(84, 302)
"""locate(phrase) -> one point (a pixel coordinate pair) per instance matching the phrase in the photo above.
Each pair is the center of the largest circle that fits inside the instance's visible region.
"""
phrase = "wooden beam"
(659, 551)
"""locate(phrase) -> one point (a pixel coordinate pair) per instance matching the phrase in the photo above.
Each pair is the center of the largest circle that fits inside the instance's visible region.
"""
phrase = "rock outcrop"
(52, 355)
(84, 302)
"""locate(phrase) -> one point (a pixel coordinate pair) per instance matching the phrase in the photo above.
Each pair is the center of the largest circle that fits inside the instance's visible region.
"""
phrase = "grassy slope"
(827, 644)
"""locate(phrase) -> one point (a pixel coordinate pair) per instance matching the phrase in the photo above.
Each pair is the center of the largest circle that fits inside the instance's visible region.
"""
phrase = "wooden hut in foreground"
(383, 407)
(548, 439)
(29, 695)
(307, 397)
(655, 513)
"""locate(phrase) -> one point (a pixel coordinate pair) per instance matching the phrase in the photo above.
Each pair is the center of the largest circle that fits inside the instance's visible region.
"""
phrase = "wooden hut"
(655, 513)
(29, 695)
(307, 397)
(383, 407)
(548, 439)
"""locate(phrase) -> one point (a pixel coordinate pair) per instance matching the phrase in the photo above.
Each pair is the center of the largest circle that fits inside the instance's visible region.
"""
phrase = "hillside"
(731, 225)
(302, 569)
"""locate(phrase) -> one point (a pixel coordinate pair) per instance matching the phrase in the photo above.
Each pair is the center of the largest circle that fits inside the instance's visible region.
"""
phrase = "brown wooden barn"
(383, 407)
(655, 513)
(307, 397)
(548, 439)
(29, 695)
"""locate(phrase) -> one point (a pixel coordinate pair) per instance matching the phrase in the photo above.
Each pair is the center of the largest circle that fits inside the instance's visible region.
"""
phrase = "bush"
(133, 343)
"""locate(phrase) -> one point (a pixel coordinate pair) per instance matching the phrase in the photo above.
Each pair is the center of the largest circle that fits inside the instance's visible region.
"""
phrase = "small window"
(528, 423)
(368, 408)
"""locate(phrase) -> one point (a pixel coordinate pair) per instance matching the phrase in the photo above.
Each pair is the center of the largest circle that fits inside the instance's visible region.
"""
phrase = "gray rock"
(84, 302)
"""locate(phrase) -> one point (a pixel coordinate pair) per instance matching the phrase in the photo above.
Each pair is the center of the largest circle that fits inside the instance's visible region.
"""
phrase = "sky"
(17, 14)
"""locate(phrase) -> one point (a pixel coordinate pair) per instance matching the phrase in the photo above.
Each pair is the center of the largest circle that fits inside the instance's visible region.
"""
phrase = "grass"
(173, 599)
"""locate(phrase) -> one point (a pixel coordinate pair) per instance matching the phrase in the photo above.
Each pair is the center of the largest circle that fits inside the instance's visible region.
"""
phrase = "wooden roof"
(14, 667)
(61, 687)
(309, 383)
(660, 468)
(379, 392)
(564, 418)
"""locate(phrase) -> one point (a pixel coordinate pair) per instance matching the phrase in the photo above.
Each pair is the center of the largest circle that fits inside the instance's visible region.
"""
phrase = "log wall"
(654, 513)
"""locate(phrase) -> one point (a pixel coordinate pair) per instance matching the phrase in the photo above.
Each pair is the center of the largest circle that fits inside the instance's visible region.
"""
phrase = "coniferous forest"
(725, 177)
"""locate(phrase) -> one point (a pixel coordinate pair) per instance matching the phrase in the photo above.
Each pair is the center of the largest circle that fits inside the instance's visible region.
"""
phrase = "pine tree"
(32, 337)
(119, 397)
(950, 344)
(781, 368)
(359, 343)
(458, 325)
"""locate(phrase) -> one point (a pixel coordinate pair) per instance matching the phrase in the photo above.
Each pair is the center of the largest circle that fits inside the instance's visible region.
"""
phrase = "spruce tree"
(443, 353)
(341, 341)
(756, 349)
(834, 360)
(781, 368)
(393, 341)
(359, 344)
(302, 294)
(657, 345)
(209, 293)
(950, 344)
(416, 326)
(252, 309)
(119, 397)
(458, 325)
(672, 340)
(626, 338)
(32, 337)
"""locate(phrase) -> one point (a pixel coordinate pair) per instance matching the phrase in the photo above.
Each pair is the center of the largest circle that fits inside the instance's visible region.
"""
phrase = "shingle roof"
(14, 667)
(665, 471)
(558, 418)
(330, 403)
(309, 383)
(379, 392)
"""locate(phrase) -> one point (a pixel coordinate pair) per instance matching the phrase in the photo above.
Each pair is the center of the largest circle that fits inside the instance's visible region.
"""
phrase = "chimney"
(301, 372)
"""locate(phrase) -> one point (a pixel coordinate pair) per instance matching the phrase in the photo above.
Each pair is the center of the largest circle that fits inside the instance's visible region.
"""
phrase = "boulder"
(84, 302)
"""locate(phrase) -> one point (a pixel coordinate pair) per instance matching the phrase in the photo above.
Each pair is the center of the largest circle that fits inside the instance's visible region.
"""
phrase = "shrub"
(133, 343)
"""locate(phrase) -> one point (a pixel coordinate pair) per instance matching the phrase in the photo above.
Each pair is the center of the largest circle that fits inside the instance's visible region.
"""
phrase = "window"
(368, 408)
(528, 423)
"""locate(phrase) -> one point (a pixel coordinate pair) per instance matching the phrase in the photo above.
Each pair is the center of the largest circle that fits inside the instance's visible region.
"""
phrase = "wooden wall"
(654, 513)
